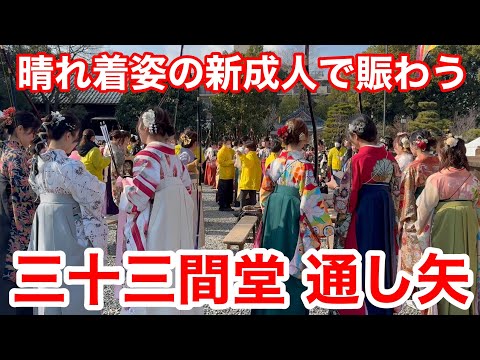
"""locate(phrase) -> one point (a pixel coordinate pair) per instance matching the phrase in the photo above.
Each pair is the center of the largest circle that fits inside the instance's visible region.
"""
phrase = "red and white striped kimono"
(167, 222)
(158, 204)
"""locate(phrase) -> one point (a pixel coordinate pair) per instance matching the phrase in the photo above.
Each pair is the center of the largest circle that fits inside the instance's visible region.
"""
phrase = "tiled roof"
(90, 97)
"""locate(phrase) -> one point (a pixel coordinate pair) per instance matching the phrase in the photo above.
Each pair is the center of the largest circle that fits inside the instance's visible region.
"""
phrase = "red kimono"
(366, 203)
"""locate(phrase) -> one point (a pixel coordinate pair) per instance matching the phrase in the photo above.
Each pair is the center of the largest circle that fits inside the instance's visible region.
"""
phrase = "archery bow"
(177, 99)
(314, 123)
(164, 97)
(199, 184)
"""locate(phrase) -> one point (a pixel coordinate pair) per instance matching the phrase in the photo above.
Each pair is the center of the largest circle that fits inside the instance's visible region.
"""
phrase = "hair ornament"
(357, 128)
(148, 120)
(7, 115)
(451, 141)
(405, 142)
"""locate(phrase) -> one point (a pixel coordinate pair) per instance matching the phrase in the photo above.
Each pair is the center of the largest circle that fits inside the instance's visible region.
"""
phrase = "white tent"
(472, 146)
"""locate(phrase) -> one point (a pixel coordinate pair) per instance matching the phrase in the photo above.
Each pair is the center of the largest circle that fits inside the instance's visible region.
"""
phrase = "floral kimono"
(448, 218)
(295, 219)
(60, 175)
(17, 206)
(69, 218)
(414, 177)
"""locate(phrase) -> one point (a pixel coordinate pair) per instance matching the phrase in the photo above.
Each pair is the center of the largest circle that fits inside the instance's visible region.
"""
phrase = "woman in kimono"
(188, 141)
(293, 206)
(158, 176)
(365, 203)
(69, 217)
(17, 200)
(401, 145)
(211, 166)
(413, 181)
(449, 212)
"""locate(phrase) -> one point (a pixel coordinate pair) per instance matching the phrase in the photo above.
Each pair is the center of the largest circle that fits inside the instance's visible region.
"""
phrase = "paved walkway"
(217, 226)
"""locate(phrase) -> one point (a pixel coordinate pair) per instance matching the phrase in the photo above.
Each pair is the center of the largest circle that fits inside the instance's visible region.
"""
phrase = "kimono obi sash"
(374, 188)
(57, 199)
(287, 190)
(456, 204)
(453, 203)
(169, 181)
(376, 184)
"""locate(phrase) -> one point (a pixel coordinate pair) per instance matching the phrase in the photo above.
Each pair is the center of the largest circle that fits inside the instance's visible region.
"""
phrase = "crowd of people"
(400, 196)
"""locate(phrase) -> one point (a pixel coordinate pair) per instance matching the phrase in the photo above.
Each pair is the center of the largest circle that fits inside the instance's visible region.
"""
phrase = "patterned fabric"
(447, 184)
(372, 164)
(152, 168)
(264, 153)
(451, 184)
(291, 169)
(58, 174)
(115, 171)
(15, 167)
(414, 178)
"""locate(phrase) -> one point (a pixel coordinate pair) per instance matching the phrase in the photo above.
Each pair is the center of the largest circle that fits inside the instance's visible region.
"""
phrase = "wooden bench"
(239, 234)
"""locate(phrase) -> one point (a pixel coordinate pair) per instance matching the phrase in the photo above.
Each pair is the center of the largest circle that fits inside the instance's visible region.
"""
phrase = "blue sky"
(172, 51)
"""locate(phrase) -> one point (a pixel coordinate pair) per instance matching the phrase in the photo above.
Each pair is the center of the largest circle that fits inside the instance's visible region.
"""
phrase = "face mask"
(228, 145)
(337, 144)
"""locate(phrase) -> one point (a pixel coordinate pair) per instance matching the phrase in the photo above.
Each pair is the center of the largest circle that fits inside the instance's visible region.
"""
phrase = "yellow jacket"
(251, 175)
(225, 163)
(334, 158)
(95, 162)
(269, 159)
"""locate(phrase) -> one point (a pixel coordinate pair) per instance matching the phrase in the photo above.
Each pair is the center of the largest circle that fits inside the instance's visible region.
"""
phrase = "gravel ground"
(217, 225)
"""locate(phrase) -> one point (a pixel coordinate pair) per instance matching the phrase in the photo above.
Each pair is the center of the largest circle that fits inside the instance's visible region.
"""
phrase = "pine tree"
(429, 119)
(337, 121)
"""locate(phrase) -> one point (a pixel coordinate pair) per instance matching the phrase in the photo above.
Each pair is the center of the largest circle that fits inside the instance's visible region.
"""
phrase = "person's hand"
(332, 184)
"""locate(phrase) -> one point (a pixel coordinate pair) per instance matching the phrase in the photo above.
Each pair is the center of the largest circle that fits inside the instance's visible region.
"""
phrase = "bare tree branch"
(463, 123)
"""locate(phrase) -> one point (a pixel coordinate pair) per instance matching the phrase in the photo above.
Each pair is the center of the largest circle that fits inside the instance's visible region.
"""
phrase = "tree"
(429, 119)
(337, 121)
(471, 135)
(323, 103)
(131, 105)
(52, 99)
(288, 104)
(245, 113)
(462, 124)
